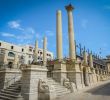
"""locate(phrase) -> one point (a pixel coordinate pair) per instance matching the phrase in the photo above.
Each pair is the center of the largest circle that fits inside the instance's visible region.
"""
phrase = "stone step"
(13, 90)
(5, 98)
(59, 89)
(13, 87)
(60, 94)
(8, 95)
(16, 84)
(9, 92)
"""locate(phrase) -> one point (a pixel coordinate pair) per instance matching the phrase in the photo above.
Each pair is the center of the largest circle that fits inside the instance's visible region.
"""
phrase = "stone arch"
(10, 64)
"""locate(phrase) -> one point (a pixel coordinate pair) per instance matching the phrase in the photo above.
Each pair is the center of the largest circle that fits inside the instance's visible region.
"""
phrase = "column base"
(31, 75)
(74, 74)
(59, 73)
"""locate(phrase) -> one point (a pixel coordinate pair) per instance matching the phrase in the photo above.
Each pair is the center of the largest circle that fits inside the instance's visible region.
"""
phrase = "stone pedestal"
(74, 73)
(31, 75)
(94, 76)
(91, 81)
(59, 73)
(8, 77)
(86, 75)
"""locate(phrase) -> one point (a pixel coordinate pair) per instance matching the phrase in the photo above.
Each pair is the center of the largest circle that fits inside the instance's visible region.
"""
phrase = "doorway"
(10, 65)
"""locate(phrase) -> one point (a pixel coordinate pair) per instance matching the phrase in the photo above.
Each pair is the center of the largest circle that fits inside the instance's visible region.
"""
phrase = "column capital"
(69, 7)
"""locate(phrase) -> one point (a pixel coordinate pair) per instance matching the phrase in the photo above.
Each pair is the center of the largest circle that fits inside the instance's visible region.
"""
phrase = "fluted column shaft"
(44, 51)
(59, 35)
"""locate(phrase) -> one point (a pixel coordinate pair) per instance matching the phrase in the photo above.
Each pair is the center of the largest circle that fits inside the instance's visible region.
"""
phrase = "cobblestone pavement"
(101, 92)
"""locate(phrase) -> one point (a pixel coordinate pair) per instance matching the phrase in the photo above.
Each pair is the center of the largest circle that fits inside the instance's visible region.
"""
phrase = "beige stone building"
(11, 54)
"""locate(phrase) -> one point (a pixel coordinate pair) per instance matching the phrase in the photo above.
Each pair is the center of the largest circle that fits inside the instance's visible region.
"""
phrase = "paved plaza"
(101, 92)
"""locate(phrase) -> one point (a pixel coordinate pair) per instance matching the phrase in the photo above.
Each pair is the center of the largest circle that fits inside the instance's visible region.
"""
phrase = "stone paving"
(100, 91)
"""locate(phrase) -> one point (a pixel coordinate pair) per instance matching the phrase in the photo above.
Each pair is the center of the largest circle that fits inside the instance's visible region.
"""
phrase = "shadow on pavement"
(100, 90)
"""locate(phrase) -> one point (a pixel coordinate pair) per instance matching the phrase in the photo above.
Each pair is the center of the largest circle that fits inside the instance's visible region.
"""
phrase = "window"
(12, 47)
(30, 50)
(40, 52)
(11, 54)
(22, 50)
(29, 62)
(29, 56)
(0, 43)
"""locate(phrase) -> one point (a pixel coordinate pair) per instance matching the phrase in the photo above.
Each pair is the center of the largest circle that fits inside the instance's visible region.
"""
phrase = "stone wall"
(8, 77)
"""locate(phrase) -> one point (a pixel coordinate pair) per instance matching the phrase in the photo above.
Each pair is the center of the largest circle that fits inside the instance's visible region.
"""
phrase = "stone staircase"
(12, 92)
(59, 89)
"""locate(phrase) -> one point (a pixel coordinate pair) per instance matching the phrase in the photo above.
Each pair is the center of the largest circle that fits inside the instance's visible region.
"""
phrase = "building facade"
(11, 54)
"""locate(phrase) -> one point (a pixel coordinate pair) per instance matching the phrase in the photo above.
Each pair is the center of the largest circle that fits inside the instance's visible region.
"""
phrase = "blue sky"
(22, 21)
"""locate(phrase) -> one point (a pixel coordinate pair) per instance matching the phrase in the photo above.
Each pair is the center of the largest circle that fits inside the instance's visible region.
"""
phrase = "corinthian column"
(44, 51)
(59, 35)
(72, 53)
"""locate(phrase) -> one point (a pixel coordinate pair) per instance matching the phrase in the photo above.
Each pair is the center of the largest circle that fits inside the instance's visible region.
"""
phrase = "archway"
(10, 65)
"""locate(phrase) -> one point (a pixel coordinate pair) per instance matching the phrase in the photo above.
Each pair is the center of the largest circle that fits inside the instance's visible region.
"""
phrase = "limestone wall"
(8, 77)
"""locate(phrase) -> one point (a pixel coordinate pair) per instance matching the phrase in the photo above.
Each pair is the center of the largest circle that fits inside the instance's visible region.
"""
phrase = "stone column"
(59, 72)
(44, 51)
(72, 53)
(90, 61)
(36, 52)
(93, 75)
(85, 57)
(59, 35)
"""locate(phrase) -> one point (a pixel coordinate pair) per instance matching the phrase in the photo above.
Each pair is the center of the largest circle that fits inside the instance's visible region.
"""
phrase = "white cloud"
(15, 25)
(29, 30)
(19, 37)
(27, 34)
(7, 34)
(49, 33)
(84, 23)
